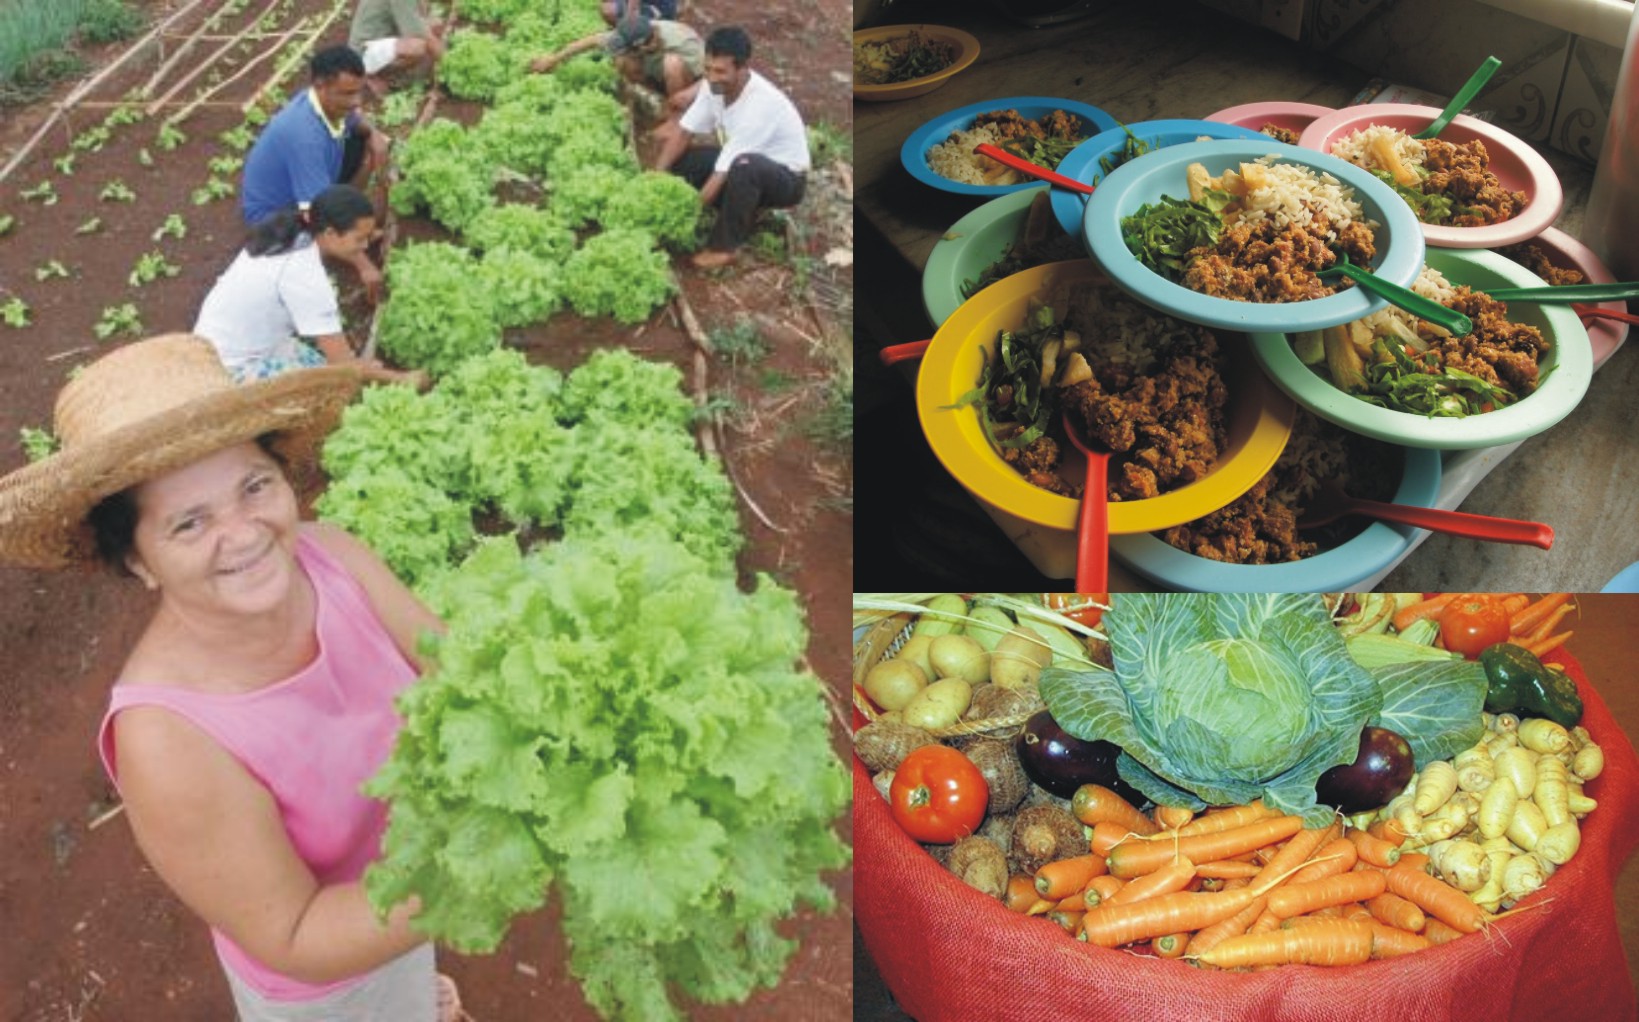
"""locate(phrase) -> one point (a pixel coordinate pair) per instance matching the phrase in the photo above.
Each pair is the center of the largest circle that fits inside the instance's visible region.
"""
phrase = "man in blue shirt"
(319, 139)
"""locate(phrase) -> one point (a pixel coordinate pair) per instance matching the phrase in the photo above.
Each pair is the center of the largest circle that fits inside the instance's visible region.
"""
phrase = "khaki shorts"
(403, 990)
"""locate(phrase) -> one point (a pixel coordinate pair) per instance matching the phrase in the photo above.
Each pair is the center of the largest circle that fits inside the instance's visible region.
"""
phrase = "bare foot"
(711, 259)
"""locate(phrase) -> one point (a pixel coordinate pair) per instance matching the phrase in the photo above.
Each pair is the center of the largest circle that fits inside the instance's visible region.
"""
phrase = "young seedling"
(239, 139)
(117, 318)
(739, 343)
(145, 157)
(169, 137)
(14, 313)
(90, 140)
(225, 166)
(213, 189)
(91, 226)
(49, 269)
(65, 164)
(150, 267)
(173, 227)
(43, 193)
(126, 113)
(116, 191)
(7, 222)
(37, 443)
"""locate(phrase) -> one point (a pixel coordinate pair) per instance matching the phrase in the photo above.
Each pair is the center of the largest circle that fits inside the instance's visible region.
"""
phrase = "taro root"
(884, 744)
(999, 764)
(1042, 834)
(980, 864)
(990, 701)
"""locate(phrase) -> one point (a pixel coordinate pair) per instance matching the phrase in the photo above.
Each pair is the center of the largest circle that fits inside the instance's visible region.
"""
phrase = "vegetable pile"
(1450, 814)
(901, 59)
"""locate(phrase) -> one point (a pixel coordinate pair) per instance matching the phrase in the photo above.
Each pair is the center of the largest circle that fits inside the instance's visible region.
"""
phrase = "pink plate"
(1518, 166)
(1564, 251)
(1291, 116)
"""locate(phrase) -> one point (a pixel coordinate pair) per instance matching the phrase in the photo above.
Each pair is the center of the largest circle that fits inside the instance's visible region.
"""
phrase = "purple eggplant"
(1061, 762)
(1381, 771)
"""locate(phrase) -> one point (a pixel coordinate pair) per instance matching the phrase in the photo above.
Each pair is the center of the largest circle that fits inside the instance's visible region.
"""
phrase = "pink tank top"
(312, 739)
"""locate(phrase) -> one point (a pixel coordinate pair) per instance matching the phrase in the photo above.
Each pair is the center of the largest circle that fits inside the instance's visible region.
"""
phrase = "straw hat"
(142, 411)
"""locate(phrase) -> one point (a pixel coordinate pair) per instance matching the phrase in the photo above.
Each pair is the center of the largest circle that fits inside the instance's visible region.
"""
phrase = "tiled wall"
(1553, 88)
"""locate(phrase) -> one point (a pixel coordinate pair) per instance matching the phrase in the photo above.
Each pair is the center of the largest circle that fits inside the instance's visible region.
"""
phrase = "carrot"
(1408, 616)
(1336, 942)
(1070, 921)
(1390, 942)
(1434, 897)
(1549, 623)
(1374, 850)
(1439, 933)
(1076, 902)
(1413, 860)
(1397, 912)
(1295, 899)
(1021, 892)
(1101, 888)
(1228, 819)
(1266, 921)
(1170, 946)
(1114, 925)
(1166, 880)
(1334, 857)
(1094, 803)
(1063, 877)
(1524, 621)
(1545, 646)
(1137, 858)
(1227, 869)
(1108, 834)
(1513, 603)
(1297, 851)
(1040, 907)
(1388, 830)
(1171, 817)
(1211, 936)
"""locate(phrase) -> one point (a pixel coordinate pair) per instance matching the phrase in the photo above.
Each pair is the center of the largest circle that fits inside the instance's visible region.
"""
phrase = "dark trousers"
(754, 182)
(352, 157)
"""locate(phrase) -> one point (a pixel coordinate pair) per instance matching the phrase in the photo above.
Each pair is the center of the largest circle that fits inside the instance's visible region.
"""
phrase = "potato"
(957, 656)
(893, 683)
(939, 705)
(1018, 658)
(915, 651)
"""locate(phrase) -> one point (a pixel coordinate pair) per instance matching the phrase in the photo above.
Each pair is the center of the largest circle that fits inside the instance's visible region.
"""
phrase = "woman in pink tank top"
(260, 696)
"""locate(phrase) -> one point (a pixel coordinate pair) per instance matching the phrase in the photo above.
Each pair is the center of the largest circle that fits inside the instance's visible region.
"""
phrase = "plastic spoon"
(1567, 293)
(1093, 524)
(895, 353)
(1332, 503)
(1470, 89)
(1411, 301)
(1024, 166)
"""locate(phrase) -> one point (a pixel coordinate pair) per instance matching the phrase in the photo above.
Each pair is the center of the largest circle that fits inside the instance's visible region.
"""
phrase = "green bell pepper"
(1517, 682)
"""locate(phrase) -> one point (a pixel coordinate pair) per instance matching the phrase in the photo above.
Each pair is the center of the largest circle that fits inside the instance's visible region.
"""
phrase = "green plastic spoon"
(1470, 89)
(1567, 293)
(1411, 301)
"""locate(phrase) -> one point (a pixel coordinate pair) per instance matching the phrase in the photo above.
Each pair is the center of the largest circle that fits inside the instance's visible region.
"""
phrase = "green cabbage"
(1221, 699)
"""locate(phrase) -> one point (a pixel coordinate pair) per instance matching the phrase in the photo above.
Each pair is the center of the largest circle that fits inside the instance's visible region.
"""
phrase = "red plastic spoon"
(1024, 166)
(1093, 525)
(1332, 503)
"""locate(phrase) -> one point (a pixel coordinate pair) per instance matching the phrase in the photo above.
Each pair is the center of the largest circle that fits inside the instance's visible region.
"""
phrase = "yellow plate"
(967, 51)
(1260, 416)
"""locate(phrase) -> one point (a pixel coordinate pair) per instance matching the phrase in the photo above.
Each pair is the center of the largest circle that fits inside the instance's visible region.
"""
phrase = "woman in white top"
(276, 293)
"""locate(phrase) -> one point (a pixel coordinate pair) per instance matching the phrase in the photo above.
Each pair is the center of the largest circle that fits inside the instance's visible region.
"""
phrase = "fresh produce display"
(1428, 816)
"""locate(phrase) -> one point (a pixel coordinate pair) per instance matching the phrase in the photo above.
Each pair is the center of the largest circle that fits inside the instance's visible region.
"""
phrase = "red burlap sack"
(950, 954)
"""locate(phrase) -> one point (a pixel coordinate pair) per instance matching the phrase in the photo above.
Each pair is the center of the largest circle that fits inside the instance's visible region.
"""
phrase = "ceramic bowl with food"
(1100, 155)
(1564, 252)
(1259, 417)
(918, 153)
(1338, 568)
(1150, 181)
(1517, 167)
(1564, 369)
(1287, 118)
(876, 51)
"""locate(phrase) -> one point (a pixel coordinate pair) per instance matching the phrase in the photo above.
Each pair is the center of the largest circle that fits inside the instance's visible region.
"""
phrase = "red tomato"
(1079, 608)
(938, 795)
(1472, 623)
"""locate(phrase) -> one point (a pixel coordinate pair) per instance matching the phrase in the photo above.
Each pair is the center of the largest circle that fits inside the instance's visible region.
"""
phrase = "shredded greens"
(1010, 394)
(1404, 382)
(901, 59)
(1430, 209)
(1161, 234)
(1133, 146)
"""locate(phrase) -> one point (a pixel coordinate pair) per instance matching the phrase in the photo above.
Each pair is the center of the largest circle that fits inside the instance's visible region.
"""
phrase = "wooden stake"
(192, 38)
(296, 57)
(203, 98)
(84, 88)
(204, 65)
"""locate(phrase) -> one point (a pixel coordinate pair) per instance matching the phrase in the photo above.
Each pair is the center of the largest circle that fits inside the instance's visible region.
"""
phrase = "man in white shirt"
(761, 156)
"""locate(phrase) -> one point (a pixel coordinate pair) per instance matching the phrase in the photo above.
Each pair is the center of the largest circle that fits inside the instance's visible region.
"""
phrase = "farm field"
(123, 235)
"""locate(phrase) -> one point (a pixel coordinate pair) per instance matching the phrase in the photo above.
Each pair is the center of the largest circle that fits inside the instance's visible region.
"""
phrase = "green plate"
(968, 249)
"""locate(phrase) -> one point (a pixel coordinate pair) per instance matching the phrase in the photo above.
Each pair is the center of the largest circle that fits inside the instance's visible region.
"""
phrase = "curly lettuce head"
(1218, 700)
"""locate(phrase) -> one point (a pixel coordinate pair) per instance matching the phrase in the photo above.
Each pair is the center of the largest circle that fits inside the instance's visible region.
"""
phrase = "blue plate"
(1082, 163)
(914, 153)
(1399, 237)
(1330, 571)
(1626, 580)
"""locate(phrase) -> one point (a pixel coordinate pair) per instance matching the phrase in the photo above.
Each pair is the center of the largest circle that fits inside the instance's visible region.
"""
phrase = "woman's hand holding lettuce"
(1218, 700)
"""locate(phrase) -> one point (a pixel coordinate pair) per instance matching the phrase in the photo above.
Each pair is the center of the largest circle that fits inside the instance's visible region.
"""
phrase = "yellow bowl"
(1260, 416)
(967, 51)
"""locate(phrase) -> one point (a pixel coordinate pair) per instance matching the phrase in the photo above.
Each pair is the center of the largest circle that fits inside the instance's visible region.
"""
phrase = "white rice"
(1356, 148)
(1317, 452)
(1431, 284)
(954, 157)
(1119, 330)
(1294, 192)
